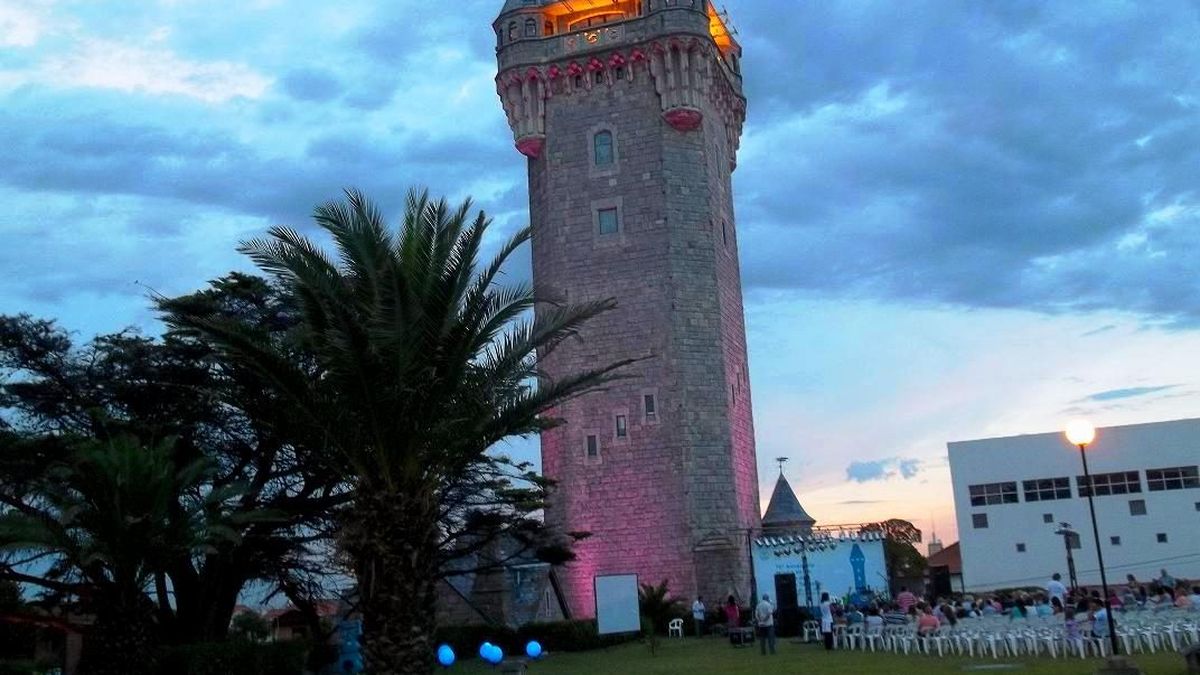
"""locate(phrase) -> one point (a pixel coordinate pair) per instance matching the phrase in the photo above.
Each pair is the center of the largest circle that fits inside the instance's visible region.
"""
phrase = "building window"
(597, 20)
(593, 446)
(651, 408)
(578, 81)
(1047, 489)
(1119, 483)
(548, 28)
(979, 521)
(1174, 478)
(602, 148)
(619, 72)
(1116, 541)
(1198, 506)
(1162, 537)
(1020, 548)
(622, 427)
(1047, 517)
(608, 221)
(512, 31)
(1137, 507)
(724, 234)
(993, 493)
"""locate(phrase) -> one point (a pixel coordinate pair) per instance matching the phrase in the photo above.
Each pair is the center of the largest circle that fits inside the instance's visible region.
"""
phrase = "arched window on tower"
(530, 28)
(602, 148)
(512, 31)
(548, 28)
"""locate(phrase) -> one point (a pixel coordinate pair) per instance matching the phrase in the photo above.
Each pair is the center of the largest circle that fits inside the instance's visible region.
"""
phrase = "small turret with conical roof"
(784, 513)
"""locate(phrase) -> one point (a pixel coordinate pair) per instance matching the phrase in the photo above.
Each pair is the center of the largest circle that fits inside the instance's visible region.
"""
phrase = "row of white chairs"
(1001, 637)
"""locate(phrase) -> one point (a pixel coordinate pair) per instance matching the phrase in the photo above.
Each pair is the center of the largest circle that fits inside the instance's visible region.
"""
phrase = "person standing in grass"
(764, 617)
(698, 609)
(827, 621)
(732, 613)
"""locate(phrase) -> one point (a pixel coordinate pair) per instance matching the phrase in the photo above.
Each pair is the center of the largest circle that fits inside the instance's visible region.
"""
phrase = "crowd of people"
(1076, 607)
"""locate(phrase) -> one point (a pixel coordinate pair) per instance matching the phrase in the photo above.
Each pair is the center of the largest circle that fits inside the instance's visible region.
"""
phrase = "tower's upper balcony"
(541, 31)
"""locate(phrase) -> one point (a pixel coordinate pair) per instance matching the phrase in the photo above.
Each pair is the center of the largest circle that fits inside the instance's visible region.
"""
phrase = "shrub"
(233, 657)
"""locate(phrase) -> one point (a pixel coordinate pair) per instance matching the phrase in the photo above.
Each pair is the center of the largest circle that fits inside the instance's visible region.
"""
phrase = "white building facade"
(1011, 496)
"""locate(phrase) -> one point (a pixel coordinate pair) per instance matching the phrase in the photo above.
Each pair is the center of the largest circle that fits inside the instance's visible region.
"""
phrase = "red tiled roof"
(950, 557)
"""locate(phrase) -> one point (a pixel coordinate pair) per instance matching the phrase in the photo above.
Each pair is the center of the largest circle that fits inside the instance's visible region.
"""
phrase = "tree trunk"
(393, 542)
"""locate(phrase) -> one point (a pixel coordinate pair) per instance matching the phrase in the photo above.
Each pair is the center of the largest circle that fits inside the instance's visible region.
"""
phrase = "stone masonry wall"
(677, 497)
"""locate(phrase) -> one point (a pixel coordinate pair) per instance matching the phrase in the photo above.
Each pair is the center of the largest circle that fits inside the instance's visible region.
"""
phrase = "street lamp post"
(1081, 434)
(1067, 533)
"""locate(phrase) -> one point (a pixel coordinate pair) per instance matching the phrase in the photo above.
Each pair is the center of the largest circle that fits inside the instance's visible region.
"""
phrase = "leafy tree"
(657, 609)
(900, 536)
(277, 502)
(421, 363)
(105, 518)
(250, 626)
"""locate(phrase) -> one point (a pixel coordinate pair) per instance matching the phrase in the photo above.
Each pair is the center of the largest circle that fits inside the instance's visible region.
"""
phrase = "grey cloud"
(883, 469)
(1004, 155)
(311, 84)
(1128, 392)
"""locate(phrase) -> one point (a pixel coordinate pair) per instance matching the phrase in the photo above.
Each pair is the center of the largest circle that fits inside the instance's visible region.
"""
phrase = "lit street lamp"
(1081, 433)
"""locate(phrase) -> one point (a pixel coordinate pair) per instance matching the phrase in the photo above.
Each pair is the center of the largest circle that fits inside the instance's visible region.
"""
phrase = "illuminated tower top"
(549, 47)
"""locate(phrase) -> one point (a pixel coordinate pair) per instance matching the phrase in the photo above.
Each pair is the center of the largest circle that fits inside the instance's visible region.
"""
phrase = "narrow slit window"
(622, 426)
(602, 148)
(593, 446)
(651, 407)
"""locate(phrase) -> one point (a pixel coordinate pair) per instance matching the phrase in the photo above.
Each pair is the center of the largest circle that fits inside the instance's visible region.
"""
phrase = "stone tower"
(629, 114)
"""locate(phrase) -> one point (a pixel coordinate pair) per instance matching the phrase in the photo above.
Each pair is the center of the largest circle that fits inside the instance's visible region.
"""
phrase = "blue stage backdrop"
(850, 566)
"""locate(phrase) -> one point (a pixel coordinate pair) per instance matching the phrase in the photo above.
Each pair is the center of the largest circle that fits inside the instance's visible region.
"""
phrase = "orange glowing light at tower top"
(719, 29)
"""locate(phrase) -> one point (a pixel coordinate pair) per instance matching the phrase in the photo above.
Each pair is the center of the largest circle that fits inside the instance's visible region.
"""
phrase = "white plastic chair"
(675, 628)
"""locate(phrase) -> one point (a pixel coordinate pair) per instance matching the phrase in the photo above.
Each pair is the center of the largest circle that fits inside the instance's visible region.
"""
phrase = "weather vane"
(782, 461)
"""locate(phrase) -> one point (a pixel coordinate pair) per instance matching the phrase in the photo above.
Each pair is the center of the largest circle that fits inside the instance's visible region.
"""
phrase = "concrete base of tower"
(684, 119)
(531, 146)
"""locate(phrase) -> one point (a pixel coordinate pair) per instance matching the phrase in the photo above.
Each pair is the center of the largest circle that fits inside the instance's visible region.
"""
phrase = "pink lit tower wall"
(629, 115)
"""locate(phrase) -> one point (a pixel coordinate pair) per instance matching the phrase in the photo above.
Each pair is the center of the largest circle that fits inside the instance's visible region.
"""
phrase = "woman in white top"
(827, 620)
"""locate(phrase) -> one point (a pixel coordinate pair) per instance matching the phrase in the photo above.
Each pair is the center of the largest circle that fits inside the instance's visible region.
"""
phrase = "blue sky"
(957, 219)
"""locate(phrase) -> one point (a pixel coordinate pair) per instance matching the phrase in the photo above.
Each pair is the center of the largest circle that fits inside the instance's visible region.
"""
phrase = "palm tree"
(657, 609)
(421, 362)
(103, 520)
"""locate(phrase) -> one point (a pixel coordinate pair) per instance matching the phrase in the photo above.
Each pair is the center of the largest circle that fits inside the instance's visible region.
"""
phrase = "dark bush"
(233, 657)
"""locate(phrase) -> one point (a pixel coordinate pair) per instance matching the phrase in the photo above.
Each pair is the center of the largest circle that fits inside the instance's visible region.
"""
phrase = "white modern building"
(1013, 494)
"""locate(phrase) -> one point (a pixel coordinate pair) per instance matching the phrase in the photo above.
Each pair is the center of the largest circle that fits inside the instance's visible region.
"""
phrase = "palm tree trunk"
(395, 549)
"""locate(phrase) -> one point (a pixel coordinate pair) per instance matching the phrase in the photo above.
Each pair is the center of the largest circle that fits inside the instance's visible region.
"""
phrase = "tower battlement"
(629, 114)
(568, 47)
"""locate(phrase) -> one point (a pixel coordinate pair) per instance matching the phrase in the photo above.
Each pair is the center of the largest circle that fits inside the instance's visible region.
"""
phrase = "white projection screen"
(617, 609)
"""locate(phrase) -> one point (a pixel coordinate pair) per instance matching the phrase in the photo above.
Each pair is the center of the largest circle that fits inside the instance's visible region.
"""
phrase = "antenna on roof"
(782, 461)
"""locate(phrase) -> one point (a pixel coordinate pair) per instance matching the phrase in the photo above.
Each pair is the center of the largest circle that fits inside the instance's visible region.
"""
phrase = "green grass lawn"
(715, 656)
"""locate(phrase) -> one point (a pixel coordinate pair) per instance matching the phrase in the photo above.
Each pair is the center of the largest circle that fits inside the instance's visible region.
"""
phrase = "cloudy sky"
(957, 219)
